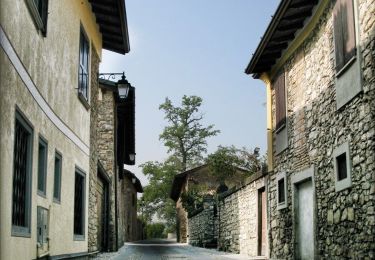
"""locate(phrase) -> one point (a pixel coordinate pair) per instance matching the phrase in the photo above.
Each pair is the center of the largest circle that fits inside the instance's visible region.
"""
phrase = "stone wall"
(344, 220)
(129, 212)
(92, 209)
(101, 149)
(203, 226)
(238, 213)
(181, 223)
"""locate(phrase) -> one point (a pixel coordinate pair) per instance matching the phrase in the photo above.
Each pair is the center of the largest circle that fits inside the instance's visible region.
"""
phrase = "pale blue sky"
(195, 47)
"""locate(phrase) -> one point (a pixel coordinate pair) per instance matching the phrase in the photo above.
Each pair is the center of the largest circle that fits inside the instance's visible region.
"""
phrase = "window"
(42, 167)
(281, 191)
(342, 167)
(279, 86)
(83, 75)
(39, 12)
(344, 33)
(22, 173)
(79, 205)
(57, 178)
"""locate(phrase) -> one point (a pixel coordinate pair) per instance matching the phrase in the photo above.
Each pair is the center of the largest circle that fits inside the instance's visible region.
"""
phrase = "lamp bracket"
(111, 76)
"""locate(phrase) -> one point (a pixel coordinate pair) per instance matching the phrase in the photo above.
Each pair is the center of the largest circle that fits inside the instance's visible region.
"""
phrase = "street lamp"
(123, 87)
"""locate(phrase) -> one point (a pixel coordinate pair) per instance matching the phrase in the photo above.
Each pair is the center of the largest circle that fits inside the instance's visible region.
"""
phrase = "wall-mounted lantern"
(123, 86)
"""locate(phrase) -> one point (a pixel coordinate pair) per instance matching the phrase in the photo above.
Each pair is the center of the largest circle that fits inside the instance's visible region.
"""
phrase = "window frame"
(40, 19)
(283, 205)
(24, 231)
(42, 141)
(84, 98)
(58, 156)
(81, 236)
(347, 182)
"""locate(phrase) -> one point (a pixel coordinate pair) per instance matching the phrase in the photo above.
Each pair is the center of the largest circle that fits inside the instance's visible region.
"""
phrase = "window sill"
(84, 101)
(280, 128)
(79, 237)
(281, 206)
(21, 232)
(346, 67)
(42, 194)
(57, 201)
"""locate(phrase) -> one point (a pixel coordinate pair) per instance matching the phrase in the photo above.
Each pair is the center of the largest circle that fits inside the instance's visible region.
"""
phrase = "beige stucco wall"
(52, 61)
(52, 64)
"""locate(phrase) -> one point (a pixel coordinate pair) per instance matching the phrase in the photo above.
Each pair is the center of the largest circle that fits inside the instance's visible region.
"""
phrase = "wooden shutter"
(279, 86)
(344, 32)
(349, 30)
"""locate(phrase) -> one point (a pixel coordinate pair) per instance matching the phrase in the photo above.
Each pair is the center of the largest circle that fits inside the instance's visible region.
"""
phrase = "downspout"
(266, 79)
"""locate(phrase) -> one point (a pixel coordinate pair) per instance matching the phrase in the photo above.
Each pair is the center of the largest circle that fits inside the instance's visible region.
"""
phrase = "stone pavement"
(164, 249)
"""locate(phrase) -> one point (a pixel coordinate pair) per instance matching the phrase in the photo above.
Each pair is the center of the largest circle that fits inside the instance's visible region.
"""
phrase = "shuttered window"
(344, 32)
(279, 86)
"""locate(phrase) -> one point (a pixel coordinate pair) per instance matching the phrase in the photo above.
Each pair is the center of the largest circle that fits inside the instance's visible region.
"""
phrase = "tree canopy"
(185, 136)
(186, 139)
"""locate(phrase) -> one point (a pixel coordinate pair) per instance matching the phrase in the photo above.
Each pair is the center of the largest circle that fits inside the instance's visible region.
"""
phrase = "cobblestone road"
(165, 250)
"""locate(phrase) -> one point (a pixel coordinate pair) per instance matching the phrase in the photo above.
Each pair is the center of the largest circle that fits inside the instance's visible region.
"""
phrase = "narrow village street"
(164, 249)
(187, 129)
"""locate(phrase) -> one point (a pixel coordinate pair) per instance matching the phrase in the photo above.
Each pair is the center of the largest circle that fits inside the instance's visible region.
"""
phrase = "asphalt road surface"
(165, 250)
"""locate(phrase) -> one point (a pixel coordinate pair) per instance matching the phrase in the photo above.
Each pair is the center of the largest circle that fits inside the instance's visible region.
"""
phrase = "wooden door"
(100, 191)
(262, 222)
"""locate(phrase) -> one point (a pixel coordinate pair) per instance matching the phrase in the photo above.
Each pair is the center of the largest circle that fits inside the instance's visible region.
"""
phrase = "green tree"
(155, 230)
(186, 140)
(225, 161)
(185, 136)
(155, 199)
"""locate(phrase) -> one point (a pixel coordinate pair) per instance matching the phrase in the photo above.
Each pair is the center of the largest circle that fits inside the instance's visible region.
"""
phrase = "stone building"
(49, 57)
(112, 195)
(130, 187)
(200, 175)
(317, 60)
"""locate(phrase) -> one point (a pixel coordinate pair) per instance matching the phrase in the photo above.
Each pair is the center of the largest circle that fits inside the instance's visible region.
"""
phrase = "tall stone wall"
(203, 226)
(129, 210)
(92, 209)
(344, 220)
(229, 223)
(238, 217)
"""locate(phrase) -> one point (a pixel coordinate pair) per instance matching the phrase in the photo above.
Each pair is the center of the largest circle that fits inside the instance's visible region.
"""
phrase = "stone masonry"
(238, 224)
(203, 225)
(345, 220)
(92, 214)
(231, 220)
(106, 151)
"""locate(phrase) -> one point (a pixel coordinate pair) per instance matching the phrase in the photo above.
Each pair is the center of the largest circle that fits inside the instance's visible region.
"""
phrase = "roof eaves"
(267, 36)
